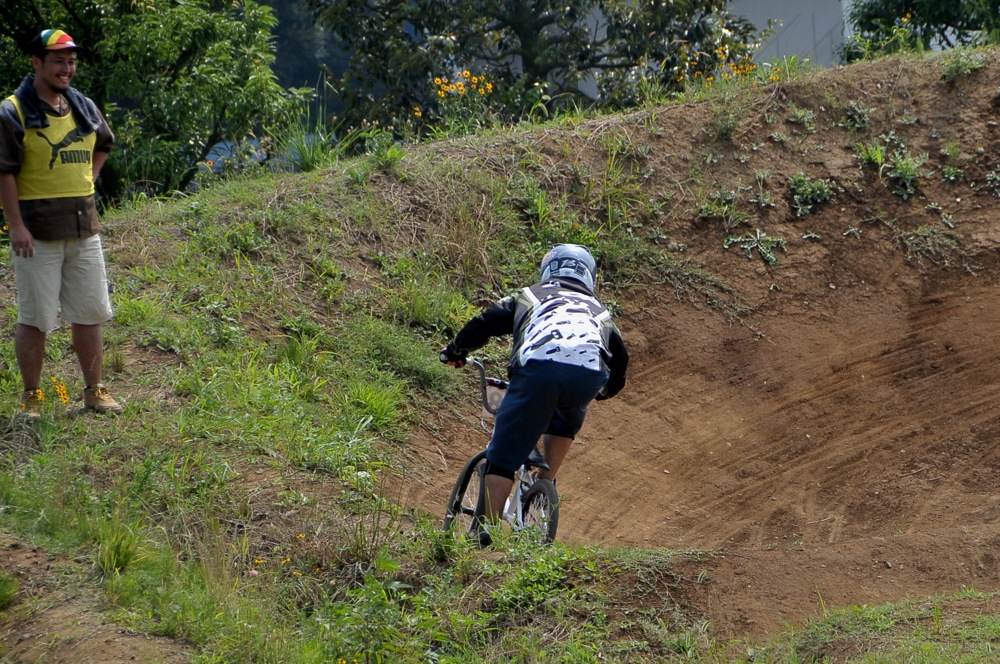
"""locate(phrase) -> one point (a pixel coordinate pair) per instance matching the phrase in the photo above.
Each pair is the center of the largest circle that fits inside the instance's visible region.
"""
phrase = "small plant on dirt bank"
(939, 246)
(763, 243)
(961, 62)
(806, 193)
(726, 113)
(872, 153)
(763, 197)
(856, 117)
(904, 172)
(993, 181)
(801, 116)
(952, 174)
(722, 205)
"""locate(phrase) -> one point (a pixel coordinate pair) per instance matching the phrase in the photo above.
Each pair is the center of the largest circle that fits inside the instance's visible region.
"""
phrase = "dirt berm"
(836, 444)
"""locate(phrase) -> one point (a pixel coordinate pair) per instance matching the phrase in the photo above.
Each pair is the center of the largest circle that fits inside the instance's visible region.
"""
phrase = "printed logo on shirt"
(67, 156)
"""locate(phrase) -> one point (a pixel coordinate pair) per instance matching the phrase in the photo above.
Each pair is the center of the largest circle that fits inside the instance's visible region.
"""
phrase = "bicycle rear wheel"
(461, 511)
(540, 507)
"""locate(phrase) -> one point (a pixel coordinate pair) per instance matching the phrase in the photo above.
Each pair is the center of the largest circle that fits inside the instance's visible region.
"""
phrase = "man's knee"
(493, 469)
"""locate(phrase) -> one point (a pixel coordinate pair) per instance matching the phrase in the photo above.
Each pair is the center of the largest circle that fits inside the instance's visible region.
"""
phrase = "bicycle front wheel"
(540, 509)
(461, 511)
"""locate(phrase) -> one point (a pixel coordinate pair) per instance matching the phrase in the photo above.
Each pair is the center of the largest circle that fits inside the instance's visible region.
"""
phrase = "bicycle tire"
(540, 507)
(465, 496)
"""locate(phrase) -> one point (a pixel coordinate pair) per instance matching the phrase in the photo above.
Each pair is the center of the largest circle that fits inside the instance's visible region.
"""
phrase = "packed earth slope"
(835, 444)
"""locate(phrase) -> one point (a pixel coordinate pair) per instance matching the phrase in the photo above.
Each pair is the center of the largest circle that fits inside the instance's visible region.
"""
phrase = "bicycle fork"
(513, 509)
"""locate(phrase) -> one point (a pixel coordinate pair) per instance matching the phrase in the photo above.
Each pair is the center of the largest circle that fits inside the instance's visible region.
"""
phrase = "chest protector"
(57, 160)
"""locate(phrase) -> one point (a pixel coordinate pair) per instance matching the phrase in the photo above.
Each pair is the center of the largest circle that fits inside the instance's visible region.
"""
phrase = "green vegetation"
(883, 27)
(936, 245)
(8, 590)
(904, 171)
(632, 52)
(960, 63)
(857, 117)
(807, 193)
(172, 78)
(760, 242)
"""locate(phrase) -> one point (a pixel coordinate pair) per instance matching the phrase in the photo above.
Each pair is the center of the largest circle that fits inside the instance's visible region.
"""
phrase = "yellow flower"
(300, 536)
(461, 88)
(489, 87)
(437, 80)
(440, 93)
(452, 88)
(60, 388)
(466, 73)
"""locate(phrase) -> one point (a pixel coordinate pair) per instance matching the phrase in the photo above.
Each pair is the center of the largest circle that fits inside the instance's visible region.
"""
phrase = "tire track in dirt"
(891, 495)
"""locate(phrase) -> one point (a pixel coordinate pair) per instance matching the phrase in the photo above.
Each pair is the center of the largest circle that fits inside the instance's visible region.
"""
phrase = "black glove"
(611, 388)
(453, 357)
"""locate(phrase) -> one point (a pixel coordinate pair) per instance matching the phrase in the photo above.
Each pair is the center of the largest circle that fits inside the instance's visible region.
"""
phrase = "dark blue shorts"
(543, 398)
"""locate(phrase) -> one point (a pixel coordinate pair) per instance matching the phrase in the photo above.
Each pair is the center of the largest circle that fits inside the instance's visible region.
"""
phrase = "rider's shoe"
(480, 534)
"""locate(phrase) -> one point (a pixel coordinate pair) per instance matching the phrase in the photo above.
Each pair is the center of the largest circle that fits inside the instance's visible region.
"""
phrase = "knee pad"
(493, 469)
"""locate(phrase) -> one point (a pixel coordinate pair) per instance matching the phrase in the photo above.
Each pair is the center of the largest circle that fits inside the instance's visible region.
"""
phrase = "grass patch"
(935, 245)
(8, 590)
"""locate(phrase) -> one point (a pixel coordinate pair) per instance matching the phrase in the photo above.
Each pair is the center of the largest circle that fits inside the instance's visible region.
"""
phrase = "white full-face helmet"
(570, 261)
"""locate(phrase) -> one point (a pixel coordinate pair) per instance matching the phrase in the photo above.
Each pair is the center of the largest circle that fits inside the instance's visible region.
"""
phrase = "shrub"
(806, 193)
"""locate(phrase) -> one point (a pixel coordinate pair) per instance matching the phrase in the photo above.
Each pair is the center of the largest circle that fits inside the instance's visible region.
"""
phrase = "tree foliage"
(172, 77)
(893, 25)
(609, 52)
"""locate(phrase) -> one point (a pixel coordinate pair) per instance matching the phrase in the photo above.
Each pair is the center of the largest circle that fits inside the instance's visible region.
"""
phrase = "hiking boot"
(31, 405)
(98, 399)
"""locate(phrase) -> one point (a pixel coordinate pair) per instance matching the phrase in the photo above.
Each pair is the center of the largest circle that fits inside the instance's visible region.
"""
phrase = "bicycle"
(533, 503)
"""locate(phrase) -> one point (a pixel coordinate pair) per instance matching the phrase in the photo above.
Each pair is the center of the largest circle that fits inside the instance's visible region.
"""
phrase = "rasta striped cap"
(52, 40)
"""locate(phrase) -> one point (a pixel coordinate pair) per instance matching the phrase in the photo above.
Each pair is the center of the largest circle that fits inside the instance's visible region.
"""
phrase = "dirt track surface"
(838, 445)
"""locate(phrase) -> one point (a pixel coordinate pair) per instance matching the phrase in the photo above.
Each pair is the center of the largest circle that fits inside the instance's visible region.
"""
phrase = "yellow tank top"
(57, 160)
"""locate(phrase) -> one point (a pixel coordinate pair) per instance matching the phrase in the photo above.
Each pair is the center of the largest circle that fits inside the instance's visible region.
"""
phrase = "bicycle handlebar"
(485, 383)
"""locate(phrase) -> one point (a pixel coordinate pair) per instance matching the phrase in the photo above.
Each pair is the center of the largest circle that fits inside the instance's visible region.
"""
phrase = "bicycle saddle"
(536, 460)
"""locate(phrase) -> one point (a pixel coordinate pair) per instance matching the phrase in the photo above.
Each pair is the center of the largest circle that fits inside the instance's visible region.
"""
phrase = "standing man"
(53, 143)
(567, 351)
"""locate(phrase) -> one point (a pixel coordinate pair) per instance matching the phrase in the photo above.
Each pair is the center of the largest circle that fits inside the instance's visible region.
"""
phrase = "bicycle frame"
(513, 511)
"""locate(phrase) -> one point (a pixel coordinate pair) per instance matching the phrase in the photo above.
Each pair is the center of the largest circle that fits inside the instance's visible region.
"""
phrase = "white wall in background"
(812, 29)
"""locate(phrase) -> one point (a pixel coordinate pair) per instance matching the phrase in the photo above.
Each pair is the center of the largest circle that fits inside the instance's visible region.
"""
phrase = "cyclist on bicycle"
(567, 351)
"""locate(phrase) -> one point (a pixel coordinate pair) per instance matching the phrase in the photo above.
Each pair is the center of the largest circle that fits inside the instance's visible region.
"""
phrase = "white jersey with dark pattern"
(561, 324)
